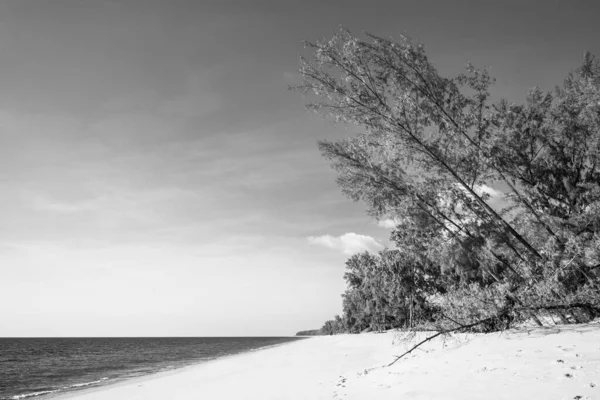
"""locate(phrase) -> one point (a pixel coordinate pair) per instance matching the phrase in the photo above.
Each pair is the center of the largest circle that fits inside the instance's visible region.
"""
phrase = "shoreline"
(255, 369)
(122, 380)
(550, 363)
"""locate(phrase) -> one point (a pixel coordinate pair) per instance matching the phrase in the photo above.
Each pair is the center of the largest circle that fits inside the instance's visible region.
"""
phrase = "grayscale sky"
(157, 178)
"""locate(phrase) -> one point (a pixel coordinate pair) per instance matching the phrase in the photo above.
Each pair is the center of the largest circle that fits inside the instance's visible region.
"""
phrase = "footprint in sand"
(341, 381)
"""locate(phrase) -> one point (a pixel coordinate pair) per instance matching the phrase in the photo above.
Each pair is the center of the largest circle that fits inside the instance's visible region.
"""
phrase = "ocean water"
(43, 367)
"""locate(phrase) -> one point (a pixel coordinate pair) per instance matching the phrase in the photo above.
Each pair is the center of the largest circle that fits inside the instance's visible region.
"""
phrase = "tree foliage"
(429, 152)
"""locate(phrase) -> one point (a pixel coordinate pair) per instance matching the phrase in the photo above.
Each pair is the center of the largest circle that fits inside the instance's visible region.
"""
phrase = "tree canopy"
(430, 150)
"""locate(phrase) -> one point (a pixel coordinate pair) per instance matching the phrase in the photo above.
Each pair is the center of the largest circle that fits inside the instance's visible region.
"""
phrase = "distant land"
(313, 332)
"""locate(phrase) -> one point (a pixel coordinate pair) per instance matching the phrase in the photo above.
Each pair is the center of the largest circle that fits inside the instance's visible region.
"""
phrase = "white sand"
(551, 363)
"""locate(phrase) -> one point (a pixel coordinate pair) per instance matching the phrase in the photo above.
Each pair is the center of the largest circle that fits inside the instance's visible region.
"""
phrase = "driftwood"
(502, 315)
(445, 331)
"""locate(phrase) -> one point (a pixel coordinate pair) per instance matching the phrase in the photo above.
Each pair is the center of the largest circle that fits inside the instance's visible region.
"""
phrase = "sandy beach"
(549, 363)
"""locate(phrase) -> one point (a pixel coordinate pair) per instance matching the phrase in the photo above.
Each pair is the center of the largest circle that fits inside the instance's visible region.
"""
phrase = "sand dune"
(551, 363)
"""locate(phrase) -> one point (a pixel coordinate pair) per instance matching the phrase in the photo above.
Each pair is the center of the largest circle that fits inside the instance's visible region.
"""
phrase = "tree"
(429, 147)
(550, 148)
(422, 141)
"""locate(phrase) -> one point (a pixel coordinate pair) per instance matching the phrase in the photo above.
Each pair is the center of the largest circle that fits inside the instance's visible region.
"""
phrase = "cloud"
(387, 223)
(348, 243)
(489, 190)
(42, 203)
(496, 200)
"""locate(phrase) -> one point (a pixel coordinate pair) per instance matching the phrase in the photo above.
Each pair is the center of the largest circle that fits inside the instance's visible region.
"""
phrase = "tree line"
(429, 152)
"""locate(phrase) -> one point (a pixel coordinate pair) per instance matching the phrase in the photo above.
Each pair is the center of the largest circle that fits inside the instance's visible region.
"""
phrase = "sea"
(45, 367)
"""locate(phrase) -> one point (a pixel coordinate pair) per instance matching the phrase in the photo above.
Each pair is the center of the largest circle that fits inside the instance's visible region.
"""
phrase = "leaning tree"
(431, 147)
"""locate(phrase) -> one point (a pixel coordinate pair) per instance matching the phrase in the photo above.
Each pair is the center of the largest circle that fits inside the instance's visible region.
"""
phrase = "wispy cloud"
(42, 203)
(387, 223)
(496, 200)
(348, 243)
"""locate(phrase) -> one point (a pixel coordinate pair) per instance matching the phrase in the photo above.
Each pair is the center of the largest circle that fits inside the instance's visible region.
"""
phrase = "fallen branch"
(443, 332)
(452, 320)
(497, 317)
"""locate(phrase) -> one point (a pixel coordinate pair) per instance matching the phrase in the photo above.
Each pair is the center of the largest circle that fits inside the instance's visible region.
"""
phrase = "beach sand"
(549, 363)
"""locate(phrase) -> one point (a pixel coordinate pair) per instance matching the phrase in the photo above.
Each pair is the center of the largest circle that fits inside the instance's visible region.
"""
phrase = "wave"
(42, 392)
(32, 394)
(86, 383)
(116, 358)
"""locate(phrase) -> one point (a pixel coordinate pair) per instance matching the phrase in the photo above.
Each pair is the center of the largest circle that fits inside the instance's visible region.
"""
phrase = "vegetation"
(430, 152)
(313, 332)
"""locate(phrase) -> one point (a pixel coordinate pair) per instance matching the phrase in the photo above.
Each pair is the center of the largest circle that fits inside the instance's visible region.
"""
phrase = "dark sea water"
(32, 367)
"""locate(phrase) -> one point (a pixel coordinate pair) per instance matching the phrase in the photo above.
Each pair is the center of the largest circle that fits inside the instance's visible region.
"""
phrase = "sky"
(157, 178)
